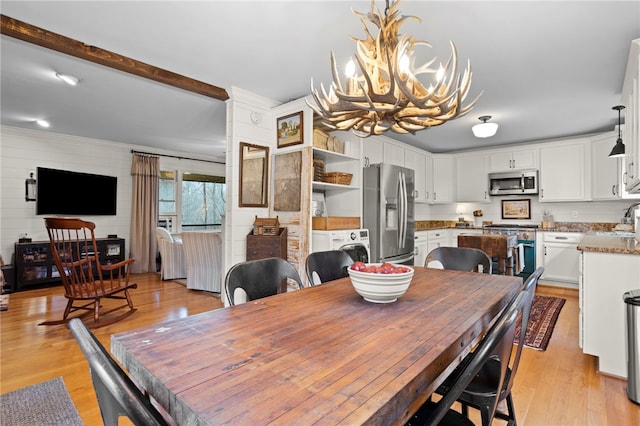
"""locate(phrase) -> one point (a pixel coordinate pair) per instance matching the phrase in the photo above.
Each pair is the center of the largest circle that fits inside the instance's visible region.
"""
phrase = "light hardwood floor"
(557, 387)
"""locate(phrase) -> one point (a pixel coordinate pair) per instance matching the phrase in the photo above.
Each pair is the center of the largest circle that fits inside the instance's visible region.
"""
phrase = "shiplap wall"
(22, 151)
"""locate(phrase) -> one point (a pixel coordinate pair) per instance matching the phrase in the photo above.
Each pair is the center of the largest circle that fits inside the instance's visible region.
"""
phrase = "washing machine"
(354, 241)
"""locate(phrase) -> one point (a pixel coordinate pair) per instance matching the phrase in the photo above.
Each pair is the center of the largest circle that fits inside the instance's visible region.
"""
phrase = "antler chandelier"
(387, 94)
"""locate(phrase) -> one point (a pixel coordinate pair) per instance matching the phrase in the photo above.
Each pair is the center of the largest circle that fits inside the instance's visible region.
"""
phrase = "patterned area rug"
(542, 320)
(46, 403)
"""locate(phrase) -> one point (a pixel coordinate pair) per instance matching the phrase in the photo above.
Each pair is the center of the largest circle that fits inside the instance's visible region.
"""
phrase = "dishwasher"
(561, 256)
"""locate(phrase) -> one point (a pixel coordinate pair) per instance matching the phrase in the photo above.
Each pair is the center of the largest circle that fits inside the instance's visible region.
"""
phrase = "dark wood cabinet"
(263, 246)
(34, 263)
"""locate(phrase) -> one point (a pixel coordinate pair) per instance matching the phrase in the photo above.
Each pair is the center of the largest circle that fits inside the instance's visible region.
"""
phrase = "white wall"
(22, 151)
(241, 128)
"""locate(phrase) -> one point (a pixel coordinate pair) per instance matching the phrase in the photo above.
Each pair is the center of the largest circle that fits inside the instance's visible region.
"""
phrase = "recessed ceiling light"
(67, 78)
(43, 123)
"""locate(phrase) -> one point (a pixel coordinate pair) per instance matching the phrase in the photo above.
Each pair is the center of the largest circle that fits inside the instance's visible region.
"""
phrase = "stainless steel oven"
(526, 236)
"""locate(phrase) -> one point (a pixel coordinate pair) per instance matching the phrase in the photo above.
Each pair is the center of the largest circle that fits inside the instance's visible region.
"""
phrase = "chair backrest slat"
(75, 254)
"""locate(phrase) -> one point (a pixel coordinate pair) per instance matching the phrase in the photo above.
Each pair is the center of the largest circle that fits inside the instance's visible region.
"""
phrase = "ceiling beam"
(41, 37)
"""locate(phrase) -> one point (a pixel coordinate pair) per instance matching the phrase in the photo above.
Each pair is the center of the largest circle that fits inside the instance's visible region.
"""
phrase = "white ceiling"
(547, 69)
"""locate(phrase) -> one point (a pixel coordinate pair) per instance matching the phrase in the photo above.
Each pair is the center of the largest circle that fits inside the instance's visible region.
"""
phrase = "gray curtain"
(145, 171)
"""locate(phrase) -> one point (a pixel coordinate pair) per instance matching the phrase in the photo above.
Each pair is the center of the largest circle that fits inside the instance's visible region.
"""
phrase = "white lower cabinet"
(605, 278)
(561, 257)
(421, 247)
(437, 238)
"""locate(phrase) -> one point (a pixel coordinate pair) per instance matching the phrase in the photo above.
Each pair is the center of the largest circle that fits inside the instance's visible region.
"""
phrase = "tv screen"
(73, 193)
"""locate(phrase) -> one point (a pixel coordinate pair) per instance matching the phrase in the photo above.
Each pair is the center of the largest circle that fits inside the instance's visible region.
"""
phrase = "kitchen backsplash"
(578, 212)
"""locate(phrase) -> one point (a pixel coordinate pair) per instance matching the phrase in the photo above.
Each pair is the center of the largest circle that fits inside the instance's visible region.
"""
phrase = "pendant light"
(618, 148)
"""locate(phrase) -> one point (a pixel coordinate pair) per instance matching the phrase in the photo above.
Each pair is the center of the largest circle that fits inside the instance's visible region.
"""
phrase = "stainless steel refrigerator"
(388, 204)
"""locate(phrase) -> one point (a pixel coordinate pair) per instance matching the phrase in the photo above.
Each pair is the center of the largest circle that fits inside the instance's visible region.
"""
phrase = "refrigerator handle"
(399, 216)
(404, 210)
(398, 260)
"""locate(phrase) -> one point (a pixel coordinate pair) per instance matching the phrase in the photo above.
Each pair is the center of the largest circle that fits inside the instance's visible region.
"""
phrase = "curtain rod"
(133, 151)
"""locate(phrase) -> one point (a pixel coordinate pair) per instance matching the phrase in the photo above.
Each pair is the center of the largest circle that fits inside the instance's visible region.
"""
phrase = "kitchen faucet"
(628, 219)
(631, 208)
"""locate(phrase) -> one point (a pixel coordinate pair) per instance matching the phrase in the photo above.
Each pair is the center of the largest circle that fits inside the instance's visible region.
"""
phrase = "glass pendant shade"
(484, 129)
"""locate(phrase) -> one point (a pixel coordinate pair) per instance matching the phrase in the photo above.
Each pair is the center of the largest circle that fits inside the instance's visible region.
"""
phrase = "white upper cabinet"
(416, 160)
(605, 171)
(508, 160)
(443, 179)
(631, 136)
(372, 151)
(394, 154)
(428, 171)
(381, 149)
(563, 171)
(472, 178)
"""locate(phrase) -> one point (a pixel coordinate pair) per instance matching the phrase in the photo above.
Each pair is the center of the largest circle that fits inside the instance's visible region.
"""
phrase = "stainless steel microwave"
(516, 182)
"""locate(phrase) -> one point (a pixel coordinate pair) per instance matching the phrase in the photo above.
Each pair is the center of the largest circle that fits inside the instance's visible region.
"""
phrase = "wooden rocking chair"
(86, 281)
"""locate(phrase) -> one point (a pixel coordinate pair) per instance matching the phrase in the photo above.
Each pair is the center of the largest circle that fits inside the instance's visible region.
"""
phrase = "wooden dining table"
(320, 355)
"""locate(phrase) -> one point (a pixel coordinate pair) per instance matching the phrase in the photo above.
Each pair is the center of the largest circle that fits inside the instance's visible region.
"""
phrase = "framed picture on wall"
(287, 171)
(290, 131)
(516, 209)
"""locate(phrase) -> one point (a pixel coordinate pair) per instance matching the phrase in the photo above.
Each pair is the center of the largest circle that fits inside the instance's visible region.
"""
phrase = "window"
(167, 201)
(203, 201)
(197, 199)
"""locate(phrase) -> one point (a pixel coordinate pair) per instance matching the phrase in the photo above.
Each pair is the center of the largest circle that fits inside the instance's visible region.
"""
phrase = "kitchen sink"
(624, 234)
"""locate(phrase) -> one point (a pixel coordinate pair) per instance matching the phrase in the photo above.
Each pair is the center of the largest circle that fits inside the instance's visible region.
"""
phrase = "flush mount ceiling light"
(42, 123)
(484, 129)
(618, 148)
(386, 94)
(67, 78)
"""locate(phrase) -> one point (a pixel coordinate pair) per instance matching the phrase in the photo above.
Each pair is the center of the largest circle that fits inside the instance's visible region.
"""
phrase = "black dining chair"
(116, 392)
(259, 278)
(323, 266)
(460, 259)
(495, 348)
(482, 391)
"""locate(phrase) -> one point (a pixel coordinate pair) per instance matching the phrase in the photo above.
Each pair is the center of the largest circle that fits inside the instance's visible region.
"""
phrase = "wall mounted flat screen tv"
(66, 192)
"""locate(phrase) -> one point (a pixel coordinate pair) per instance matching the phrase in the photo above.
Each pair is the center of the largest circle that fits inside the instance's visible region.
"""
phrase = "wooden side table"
(263, 246)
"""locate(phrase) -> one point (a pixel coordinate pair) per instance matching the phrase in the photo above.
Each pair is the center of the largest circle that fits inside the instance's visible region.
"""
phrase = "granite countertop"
(584, 227)
(428, 225)
(606, 244)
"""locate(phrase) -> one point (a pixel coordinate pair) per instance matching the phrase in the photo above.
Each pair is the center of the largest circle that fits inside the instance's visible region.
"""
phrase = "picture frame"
(287, 188)
(516, 209)
(290, 129)
(254, 175)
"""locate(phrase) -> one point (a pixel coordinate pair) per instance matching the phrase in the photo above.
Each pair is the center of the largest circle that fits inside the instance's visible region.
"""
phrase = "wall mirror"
(254, 175)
